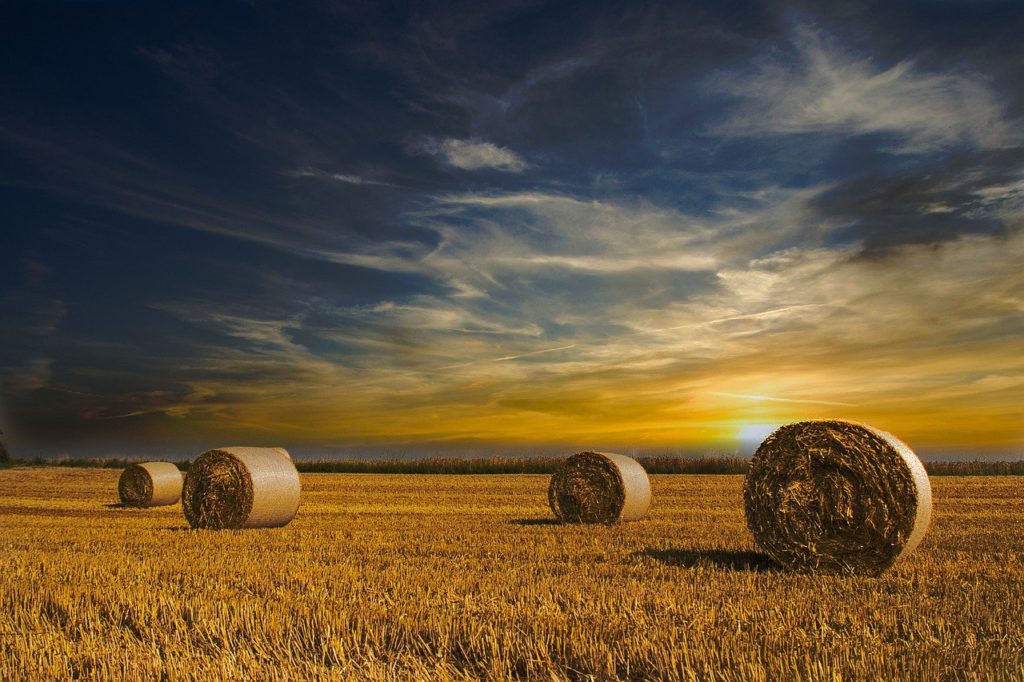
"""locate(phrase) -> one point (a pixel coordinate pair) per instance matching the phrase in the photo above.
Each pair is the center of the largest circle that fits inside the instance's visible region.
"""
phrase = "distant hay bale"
(599, 487)
(241, 487)
(836, 497)
(150, 484)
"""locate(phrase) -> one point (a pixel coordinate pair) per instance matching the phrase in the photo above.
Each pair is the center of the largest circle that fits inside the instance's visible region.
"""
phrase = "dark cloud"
(933, 202)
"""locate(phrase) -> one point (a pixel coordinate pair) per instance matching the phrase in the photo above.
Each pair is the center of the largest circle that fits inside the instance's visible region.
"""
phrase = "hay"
(241, 487)
(836, 497)
(281, 451)
(150, 484)
(599, 487)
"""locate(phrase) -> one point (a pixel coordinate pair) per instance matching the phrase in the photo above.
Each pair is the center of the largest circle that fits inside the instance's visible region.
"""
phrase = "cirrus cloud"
(826, 90)
(474, 154)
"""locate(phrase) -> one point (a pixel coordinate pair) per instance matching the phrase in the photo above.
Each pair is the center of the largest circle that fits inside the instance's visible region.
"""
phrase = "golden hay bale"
(241, 487)
(599, 487)
(149, 484)
(836, 497)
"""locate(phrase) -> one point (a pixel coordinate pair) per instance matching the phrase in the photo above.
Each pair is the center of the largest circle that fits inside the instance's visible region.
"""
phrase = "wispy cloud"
(774, 399)
(507, 358)
(825, 89)
(35, 374)
(127, 415)
(795, 332)
(100, 173)
(310, 172)
(474, 154)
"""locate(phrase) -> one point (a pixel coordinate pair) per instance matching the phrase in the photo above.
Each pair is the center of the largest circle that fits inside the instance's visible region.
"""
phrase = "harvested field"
(402, 576)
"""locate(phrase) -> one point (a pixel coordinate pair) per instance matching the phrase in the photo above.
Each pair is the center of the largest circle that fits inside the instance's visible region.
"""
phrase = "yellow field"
(434, 577)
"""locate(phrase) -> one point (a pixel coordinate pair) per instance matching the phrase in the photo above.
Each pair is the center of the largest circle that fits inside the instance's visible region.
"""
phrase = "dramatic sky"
(362, 227)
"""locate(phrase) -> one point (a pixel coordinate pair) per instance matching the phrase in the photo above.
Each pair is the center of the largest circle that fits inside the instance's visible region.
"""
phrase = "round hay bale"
(599, 487)
(241, 487)
(150, 484)
(836, 497)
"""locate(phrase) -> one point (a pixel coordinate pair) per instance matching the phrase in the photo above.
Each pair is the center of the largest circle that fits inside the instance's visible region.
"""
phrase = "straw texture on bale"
(241, 487)
(599, 487)
(836, 497)
(281, 451)
(150, 484)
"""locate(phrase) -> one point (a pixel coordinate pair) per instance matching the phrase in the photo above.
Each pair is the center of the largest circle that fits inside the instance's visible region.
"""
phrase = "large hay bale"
(836, 497)
(599, 487)
(241, 487)
(150, 484)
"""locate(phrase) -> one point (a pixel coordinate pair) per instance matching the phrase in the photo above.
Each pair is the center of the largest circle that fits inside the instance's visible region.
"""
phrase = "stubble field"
(464, 577)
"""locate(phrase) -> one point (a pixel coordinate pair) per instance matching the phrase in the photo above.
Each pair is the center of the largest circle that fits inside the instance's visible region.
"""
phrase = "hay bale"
(241, 487)
(599, 487)
(150, 484)
(836, 497)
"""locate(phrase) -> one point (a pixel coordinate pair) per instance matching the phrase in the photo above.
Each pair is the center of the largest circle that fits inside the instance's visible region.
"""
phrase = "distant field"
(463, 577)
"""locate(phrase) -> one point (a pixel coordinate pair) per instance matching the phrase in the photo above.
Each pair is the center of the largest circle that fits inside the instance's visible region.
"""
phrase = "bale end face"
(218, 492)
(135, 487)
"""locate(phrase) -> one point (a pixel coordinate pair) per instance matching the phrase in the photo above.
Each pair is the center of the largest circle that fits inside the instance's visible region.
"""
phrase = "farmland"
(464, 577)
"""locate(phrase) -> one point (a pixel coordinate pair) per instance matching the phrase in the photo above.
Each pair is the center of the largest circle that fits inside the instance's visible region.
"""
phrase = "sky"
(370, 228)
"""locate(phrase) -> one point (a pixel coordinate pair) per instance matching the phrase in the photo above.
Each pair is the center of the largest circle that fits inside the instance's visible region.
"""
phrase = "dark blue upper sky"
(436, 225)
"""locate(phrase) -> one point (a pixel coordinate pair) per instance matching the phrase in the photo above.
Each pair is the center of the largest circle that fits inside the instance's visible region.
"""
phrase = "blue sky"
(362, 227)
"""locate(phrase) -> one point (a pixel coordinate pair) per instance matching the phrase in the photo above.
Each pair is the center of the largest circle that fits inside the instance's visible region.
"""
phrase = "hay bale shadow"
(117, 505)
(535, 522)
(730, 560)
